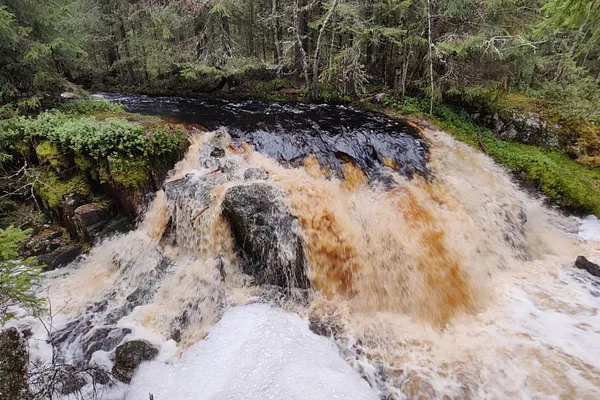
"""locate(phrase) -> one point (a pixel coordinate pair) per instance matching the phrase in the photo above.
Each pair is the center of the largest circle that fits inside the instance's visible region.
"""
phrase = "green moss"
(49, 152)
(128, 172)
(84, 163)
(52, 189)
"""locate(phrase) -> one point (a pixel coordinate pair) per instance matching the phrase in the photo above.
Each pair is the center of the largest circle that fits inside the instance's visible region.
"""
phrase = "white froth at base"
(254, 352)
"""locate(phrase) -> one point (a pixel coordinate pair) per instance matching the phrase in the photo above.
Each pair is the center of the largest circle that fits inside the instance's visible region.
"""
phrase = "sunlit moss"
(49, 152)
(52, 189)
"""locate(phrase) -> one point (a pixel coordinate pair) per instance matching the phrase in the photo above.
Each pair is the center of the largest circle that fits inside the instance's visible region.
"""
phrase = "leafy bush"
(74, 147)
(17, 277)
(90, 107)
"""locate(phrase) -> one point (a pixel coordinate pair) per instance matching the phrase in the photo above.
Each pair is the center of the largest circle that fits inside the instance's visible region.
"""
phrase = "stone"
(217, 152)
(267, 235)
(90, 219)
(129, 356)
(60, 257)
(256, 174)
(590, 267)
(14, 359)
(42, 242)
(119, 225)
(378, 98)
(525, 127)
(104, 338)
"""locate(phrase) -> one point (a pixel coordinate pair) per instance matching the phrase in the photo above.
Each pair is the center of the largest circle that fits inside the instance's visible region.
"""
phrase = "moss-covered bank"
(563, 180)
(87, 151)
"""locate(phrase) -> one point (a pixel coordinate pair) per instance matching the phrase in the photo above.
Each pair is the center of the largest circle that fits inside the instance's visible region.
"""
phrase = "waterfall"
(450, 284)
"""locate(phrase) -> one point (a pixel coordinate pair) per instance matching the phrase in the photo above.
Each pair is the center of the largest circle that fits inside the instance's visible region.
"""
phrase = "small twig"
(199, 214)
(482, 146)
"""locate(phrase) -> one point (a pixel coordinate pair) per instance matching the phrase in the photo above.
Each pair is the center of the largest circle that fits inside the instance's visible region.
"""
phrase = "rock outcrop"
(590, 267)
(267, 233)
(60, 257)
(14, 359)
(129, 356)
(90, 219)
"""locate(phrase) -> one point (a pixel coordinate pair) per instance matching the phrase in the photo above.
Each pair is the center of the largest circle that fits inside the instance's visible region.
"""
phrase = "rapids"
(436, 281)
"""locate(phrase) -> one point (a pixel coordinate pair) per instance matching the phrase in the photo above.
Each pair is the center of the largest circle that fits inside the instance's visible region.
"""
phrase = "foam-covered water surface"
(254, 352)
(590, 228)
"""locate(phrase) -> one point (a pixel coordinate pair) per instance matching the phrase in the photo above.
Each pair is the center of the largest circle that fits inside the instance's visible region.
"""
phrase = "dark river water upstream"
(290, 132)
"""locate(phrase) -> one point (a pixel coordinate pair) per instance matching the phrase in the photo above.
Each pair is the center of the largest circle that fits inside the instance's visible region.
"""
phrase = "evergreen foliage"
(17, 277)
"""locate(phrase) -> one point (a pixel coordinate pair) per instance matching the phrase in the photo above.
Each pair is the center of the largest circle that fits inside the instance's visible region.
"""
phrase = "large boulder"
(13, 366)
(590, 267)
(90, 219)
(267, 234)
(60, 257)
(129, 356)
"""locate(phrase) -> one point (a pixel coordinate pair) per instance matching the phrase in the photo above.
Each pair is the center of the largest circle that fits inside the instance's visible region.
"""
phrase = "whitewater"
(457, 286)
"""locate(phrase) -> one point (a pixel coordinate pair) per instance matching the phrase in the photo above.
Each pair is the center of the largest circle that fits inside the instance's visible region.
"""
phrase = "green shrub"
(17, 277)
(90, 107)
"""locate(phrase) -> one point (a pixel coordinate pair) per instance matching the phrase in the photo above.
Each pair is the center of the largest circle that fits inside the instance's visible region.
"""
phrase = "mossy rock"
(49, 152)
(52, 189)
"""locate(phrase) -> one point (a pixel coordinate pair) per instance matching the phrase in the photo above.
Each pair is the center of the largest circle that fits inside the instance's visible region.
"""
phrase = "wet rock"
(326, 325)
(43, 242)
(102, 338)
(590, 267)
(267, 233)
(60, 257)
(119, 225)
(217, 152)
(129, 356)
(194, 188)
(13, 366)
(90, 220)
(256, 174)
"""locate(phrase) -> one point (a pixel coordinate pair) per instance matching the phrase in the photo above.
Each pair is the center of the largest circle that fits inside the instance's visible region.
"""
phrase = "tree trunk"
(226, 37)
(315, 71)
(278, 56)
(251, 33)
(127, 55)
(430, 41)
(301, 46)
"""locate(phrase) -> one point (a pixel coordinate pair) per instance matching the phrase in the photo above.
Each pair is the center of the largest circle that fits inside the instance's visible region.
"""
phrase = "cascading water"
(449, 283)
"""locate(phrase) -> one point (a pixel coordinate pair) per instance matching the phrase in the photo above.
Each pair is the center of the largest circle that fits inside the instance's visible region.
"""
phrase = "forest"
(337, 49)
(517, 80)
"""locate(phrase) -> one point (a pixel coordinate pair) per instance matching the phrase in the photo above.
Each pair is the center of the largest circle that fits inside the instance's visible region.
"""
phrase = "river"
(432, 275)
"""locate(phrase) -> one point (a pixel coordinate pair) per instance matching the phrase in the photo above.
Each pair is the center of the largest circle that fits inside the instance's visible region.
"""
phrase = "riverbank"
(547, 170)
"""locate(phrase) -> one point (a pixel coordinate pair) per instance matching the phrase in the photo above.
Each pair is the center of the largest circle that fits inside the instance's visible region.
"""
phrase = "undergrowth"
(84, 140)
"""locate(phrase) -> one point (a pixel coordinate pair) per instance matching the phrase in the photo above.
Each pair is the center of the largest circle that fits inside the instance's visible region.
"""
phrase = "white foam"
(590, 228)
(254, 352)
